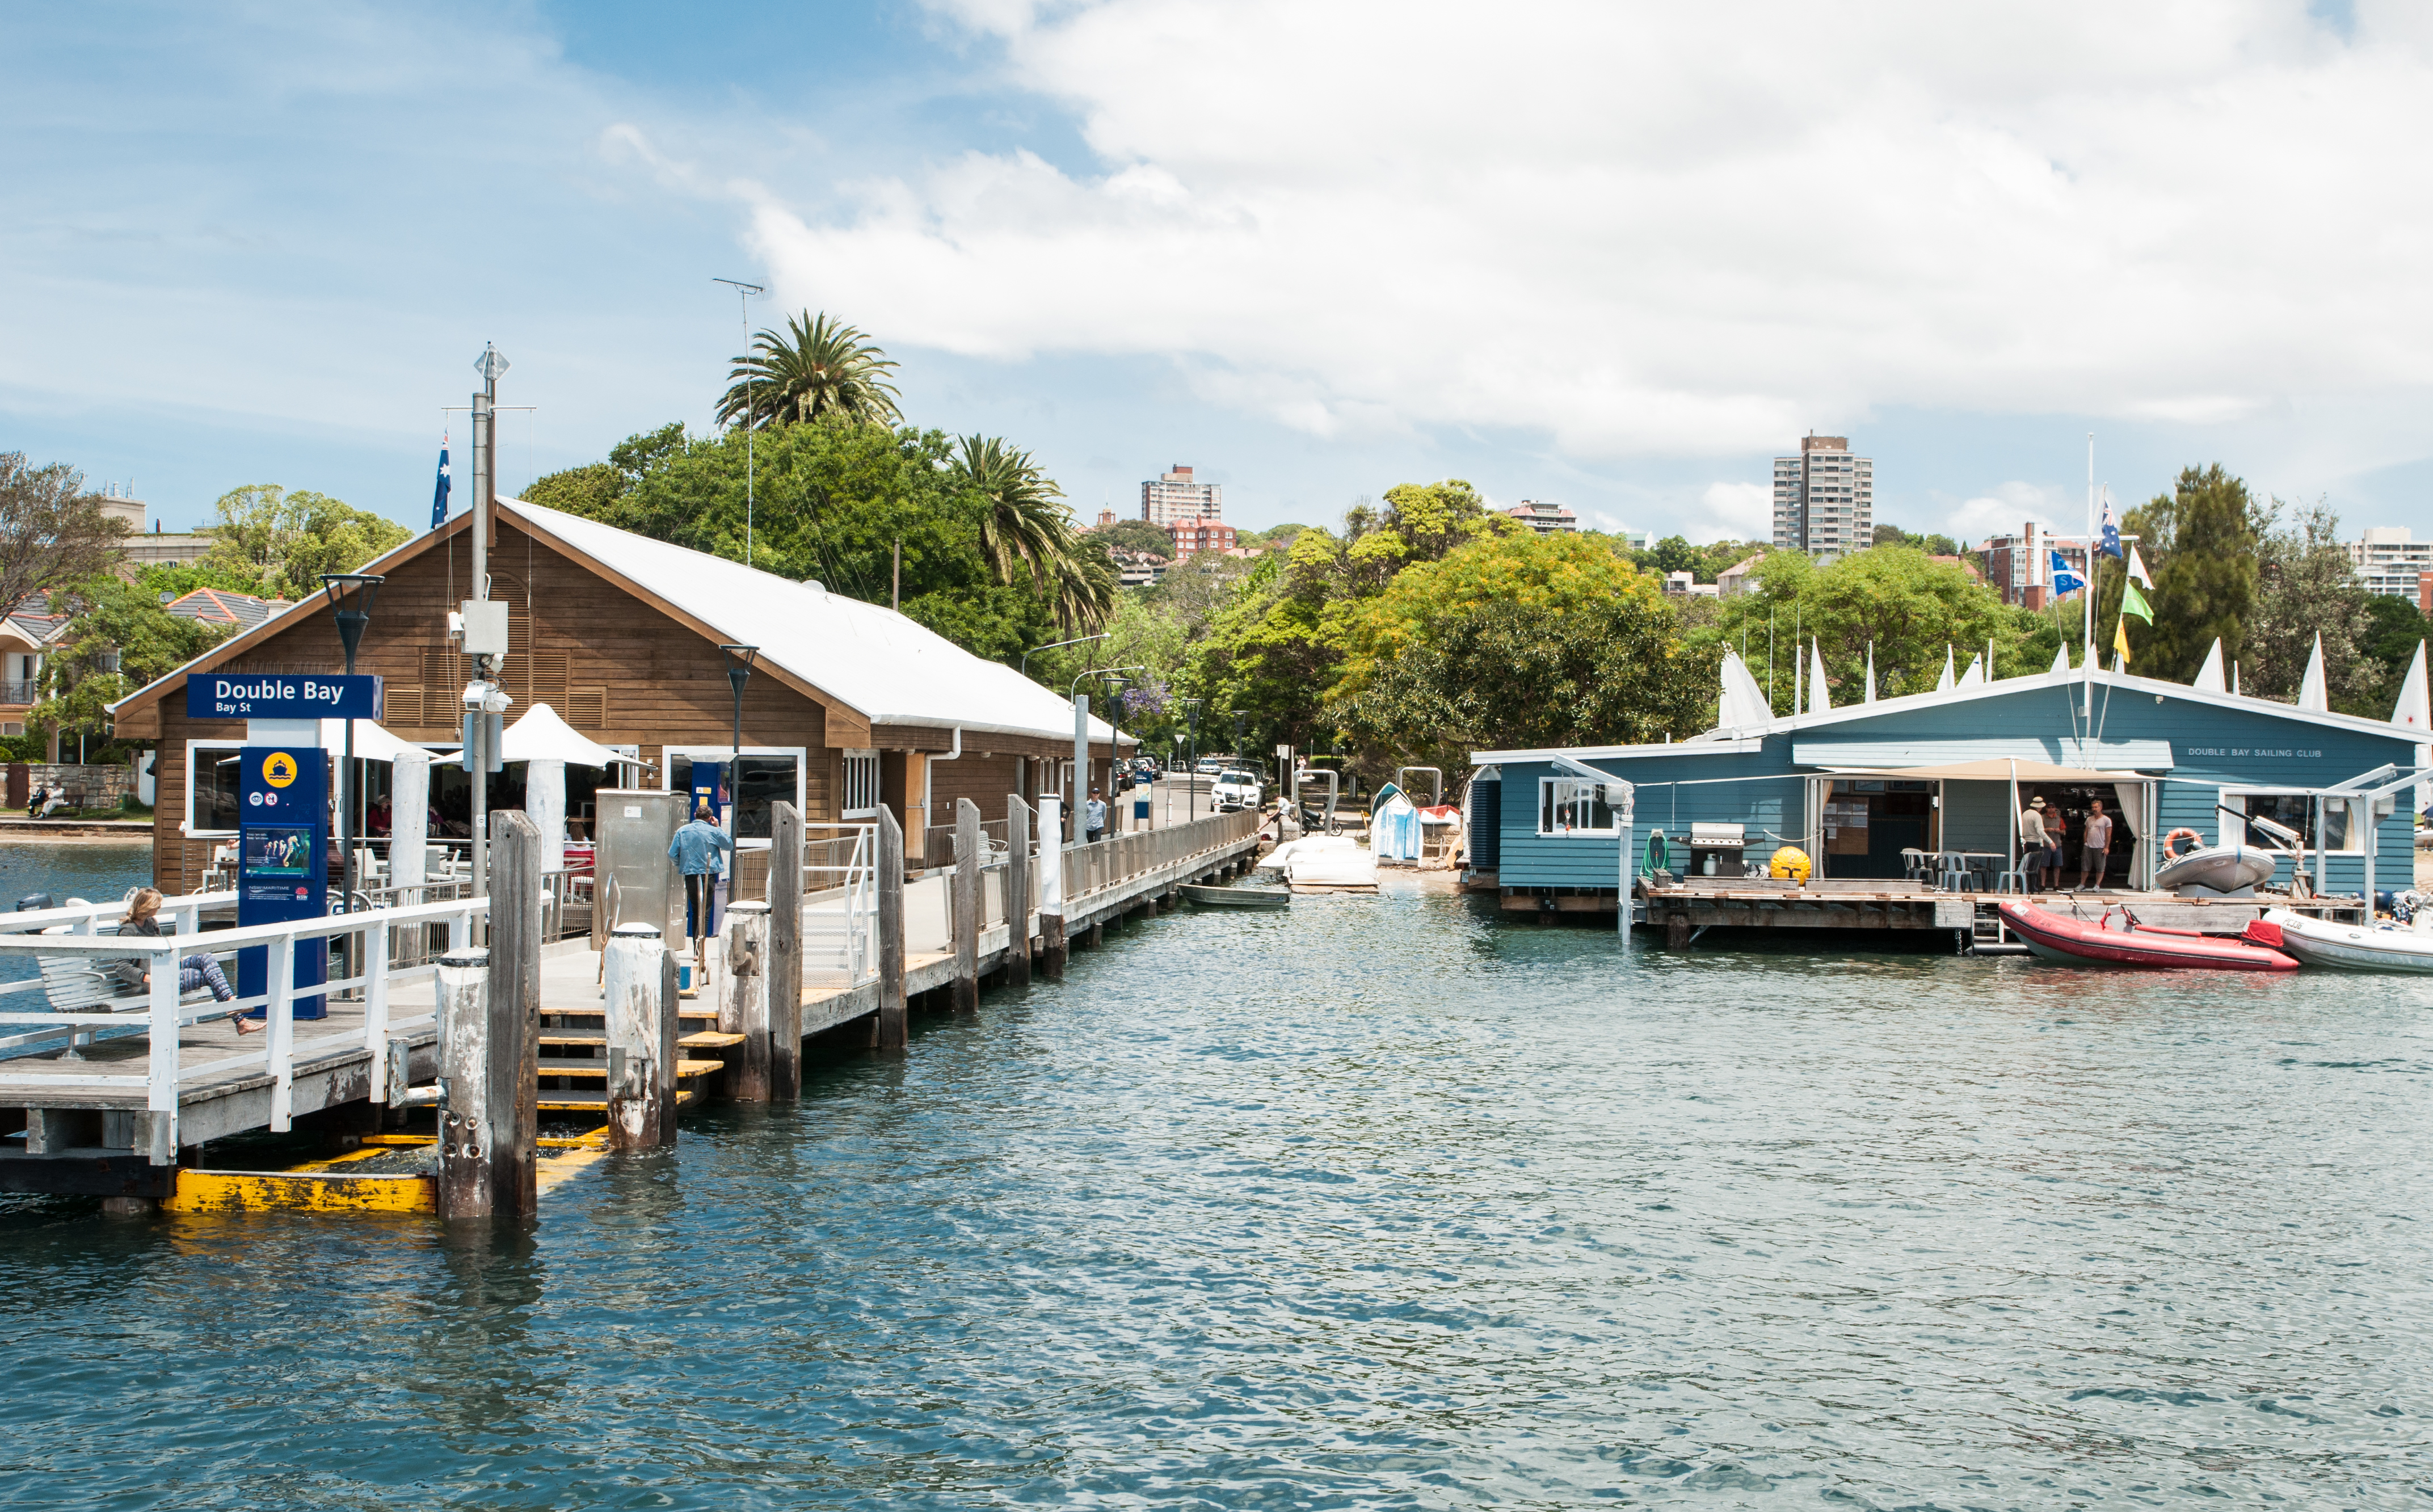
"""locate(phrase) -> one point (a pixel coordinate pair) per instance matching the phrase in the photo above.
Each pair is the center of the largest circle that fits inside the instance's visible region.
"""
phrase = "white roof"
(881, 664)
(373, 741)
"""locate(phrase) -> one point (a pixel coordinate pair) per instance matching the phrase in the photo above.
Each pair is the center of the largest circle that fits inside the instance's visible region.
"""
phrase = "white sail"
(1871, 671)
(2414, 710)
(2061, 658)
(1744, 702)
(1975, 675)
(1944, 685)
(1819, 702)
(2311, 692)
(2209, 676)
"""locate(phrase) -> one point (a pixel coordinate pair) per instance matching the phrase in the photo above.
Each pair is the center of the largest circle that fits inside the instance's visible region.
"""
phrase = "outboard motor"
(33, 901)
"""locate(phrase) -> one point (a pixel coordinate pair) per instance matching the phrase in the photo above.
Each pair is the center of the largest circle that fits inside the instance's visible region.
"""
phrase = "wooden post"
(635, 967)
(464, 980)
(516, 941)
(1018, 892)
(967, 905)
(783, 975)
(891, 1031)
(1052, 859)
(747, 997)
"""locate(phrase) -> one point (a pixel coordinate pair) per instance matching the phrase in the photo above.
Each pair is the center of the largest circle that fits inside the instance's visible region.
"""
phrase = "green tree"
(816, 368)
(1266, 655)
(283, 540)
(52, 532)
(2309, 591)
(119, 638)
(2394, 628)
(592, 490)
(1135, 535)
(1912, 610)
(1421, 523)
(2201, 542)
(1026, 528)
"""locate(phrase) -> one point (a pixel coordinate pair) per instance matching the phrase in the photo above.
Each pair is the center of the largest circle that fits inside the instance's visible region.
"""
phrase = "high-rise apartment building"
(1176, 497)
(1824, 499)
(2390, 560)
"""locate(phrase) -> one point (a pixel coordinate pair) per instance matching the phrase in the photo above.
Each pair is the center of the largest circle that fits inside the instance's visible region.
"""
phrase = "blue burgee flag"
(2063, 580)
(439, 492)
(2111, 546)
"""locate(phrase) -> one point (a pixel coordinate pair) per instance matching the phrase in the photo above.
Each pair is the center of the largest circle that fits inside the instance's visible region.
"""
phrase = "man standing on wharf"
(1096, 815)
(2097, 842)
(2035, 845)
(695, 850)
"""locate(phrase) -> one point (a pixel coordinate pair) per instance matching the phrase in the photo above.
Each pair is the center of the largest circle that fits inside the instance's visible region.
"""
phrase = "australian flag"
(2111, 546)
(439, 491)
(2063, 580)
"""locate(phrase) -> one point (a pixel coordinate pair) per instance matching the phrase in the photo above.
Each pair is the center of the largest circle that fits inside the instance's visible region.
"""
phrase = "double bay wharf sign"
(283, 696)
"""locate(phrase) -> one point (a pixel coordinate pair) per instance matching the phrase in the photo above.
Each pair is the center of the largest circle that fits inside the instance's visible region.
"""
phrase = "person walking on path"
(2035, 845)
(144, 918)
(697, 851)
(2097, 841)
(1096, 816)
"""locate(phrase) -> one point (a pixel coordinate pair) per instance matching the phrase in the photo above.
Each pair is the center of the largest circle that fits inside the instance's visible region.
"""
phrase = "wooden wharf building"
(851, 706)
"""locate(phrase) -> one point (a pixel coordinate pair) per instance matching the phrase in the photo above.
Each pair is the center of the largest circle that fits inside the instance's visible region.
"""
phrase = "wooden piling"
(967, 905)
(639, 1012)
(785, 956)
(463, 987)
(489, 1016)
(747, 997)
(1053, 857)
(891, 1034)
(1018, 892)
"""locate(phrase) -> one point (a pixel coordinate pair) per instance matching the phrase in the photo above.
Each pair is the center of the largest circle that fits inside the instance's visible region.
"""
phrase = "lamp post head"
(354, 619)
(738, 665)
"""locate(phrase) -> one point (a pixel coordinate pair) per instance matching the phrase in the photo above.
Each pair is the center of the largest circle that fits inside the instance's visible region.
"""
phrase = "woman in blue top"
(696, 851)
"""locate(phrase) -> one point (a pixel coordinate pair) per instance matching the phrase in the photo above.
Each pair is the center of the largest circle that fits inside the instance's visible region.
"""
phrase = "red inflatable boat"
(2089, 942)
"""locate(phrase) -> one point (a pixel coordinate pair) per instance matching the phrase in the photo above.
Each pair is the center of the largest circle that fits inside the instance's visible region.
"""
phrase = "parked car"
(1208, 766)
(1235, 789)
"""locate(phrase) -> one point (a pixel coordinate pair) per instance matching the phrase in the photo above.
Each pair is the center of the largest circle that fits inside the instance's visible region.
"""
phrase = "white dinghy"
(2353, 946)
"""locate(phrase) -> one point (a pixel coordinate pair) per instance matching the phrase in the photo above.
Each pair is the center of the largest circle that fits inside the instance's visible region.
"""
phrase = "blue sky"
(1313, 251)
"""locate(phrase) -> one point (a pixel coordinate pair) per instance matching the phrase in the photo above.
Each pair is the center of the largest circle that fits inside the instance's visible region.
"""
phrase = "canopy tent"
(542, 735)
(373, 743)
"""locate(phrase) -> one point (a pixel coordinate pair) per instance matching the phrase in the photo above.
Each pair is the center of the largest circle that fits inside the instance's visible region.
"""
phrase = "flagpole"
(2087, 712)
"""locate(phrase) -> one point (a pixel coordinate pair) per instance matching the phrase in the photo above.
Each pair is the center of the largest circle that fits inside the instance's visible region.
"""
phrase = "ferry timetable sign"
(282, 696)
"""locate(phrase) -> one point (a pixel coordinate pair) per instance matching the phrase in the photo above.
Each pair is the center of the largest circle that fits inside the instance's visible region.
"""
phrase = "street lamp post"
(1082, 742)
(1191, 763)
(1078, 641)
(351, 596)
(739, 671)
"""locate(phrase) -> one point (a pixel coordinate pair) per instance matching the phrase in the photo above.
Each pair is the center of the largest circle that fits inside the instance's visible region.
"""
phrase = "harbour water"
(1375, 1203)
(94, 871)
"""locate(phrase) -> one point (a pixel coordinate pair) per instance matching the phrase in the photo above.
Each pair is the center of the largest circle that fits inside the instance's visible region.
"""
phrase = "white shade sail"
(373, 741)
(542, 735)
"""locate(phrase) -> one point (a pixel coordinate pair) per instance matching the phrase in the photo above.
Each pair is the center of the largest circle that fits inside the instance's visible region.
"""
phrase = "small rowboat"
(2082, 942)
(1238, 897)
(2220, 871)
(2356, 946)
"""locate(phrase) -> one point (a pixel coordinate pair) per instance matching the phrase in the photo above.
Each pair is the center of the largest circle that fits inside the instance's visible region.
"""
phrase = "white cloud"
(2008, 507)
(1687, 230)
(1734, 512)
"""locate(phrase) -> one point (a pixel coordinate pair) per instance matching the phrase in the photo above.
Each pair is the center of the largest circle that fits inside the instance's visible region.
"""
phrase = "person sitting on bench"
(144, 918)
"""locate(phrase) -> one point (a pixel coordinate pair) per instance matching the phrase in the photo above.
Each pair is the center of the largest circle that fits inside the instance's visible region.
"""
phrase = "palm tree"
(1028, 528)
(817, 367)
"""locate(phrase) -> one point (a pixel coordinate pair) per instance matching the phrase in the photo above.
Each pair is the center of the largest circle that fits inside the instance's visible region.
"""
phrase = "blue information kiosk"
(282, 806)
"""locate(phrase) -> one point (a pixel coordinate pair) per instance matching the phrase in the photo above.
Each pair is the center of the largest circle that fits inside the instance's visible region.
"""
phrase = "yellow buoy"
(1789, 861)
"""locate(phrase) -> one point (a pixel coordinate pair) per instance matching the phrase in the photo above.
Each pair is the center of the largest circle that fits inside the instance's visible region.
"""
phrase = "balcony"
(17, 694)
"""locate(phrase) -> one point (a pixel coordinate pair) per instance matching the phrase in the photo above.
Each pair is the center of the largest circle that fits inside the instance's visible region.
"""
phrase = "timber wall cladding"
(612, 665)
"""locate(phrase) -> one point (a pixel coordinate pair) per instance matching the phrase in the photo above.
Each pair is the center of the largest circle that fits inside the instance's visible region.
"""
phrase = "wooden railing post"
(783, 976)
(967, 905)
(511, 1143)
(462, 980)
(891, 1030)
(747, 997)
(1052, 883)
(1018, 892)
(635, 970)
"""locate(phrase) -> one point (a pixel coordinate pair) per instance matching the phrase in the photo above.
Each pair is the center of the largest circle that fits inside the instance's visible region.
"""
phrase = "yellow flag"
(2120, 637)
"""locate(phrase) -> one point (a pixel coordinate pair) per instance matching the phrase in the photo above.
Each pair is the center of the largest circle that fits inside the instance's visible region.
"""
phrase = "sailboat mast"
(2086, 710)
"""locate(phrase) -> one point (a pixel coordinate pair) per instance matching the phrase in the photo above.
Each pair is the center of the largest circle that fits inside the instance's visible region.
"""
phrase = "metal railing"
(19, 690)
(1121, 858)
(157, 1085)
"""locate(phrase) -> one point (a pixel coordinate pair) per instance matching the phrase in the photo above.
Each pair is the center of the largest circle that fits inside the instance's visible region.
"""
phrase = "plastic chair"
(2013, 878)
(1913, 863)
(1953, 873)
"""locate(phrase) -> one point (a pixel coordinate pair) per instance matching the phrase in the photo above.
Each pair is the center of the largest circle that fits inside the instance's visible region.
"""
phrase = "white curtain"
(2129, 800)
(409, 816)
(545, 801)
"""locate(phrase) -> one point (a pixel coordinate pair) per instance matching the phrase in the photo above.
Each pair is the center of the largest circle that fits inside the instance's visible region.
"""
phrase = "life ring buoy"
(2173, 839)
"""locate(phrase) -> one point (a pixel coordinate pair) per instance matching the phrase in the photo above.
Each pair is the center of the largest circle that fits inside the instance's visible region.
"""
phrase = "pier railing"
(155, 1083)
(1121, 858)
